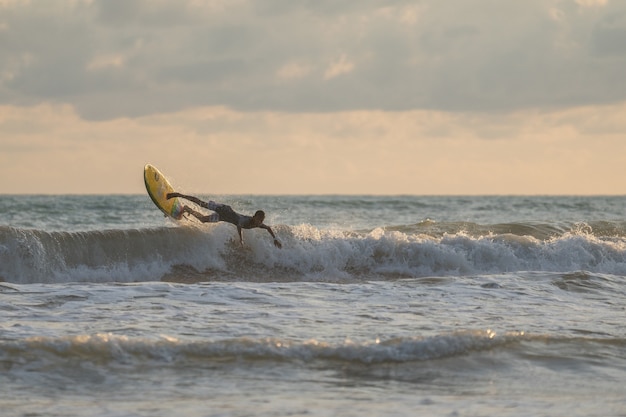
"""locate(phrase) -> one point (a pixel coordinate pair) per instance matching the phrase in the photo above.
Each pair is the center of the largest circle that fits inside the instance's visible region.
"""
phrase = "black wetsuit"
(227, 214)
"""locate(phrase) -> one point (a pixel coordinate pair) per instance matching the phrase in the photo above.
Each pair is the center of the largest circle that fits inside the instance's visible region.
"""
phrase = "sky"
(429, 97)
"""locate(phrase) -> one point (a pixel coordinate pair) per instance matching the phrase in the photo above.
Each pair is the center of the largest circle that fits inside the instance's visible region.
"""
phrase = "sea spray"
(211, 252)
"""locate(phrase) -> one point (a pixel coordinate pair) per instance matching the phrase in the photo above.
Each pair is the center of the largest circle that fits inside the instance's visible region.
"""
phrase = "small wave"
(211, 252)
(537, 230)
(105, 348)
(587, 282)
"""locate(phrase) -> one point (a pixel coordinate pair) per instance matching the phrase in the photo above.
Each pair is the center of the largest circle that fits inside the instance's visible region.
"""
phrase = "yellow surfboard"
(158, 187)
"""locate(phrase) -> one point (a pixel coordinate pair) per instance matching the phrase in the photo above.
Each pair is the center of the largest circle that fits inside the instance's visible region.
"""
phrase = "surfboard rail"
(158, 187)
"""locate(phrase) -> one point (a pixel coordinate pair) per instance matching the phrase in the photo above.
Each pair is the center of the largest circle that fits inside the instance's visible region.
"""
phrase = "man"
(225, 213)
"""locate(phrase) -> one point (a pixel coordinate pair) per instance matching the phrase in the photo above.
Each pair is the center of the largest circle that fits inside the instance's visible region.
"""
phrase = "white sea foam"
(309, 253)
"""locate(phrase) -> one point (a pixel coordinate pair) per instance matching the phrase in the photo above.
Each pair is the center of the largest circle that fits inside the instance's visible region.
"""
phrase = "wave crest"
(102, 348)
(212, 252)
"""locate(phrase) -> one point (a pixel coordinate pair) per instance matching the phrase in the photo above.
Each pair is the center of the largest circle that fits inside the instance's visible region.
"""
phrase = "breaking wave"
(211, 252)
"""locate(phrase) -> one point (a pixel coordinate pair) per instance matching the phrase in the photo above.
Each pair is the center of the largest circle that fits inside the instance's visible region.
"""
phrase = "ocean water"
(375, 306)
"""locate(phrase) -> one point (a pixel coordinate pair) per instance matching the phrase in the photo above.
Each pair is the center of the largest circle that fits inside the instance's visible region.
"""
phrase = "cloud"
(129, 58)
(293, 70)
(338, 67)
(592, 3)
(218, 150)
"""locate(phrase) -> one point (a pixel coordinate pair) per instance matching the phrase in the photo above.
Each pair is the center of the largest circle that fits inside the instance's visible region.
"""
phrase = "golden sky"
(275, 97)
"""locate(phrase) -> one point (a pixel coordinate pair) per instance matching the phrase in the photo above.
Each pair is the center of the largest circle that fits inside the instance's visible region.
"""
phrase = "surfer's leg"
(212, 205)
(190, 198)
(211, 218)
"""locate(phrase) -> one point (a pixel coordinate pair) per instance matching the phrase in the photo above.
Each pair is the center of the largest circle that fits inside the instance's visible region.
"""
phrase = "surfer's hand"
(277, 243)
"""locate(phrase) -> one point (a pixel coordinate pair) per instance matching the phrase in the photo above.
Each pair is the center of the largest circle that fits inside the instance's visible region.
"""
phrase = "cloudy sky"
(314, 96)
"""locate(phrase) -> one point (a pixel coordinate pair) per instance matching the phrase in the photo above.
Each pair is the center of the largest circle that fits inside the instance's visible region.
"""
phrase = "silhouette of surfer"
(225, 213)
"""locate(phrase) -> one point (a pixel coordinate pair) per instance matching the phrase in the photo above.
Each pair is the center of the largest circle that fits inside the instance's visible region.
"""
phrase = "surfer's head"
(259, 217)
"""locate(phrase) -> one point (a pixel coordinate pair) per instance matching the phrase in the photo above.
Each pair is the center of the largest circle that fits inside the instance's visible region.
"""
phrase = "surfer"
(224, 213)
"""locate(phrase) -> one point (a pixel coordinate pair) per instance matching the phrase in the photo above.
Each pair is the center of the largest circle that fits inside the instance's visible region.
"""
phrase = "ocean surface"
(375, 306)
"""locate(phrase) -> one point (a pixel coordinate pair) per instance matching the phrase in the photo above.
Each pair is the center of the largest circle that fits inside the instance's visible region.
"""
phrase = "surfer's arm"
(240, 235)
(271, 232)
